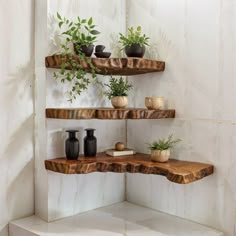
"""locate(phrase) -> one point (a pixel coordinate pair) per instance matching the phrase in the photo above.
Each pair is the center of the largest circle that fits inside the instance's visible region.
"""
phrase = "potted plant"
(118, 92)
(81, 34)
(134, 43)
(160, 150)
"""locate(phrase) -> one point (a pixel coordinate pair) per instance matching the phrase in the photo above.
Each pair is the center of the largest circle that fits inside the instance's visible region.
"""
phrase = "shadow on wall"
(17, 164)
(20, 142)
(21, 82)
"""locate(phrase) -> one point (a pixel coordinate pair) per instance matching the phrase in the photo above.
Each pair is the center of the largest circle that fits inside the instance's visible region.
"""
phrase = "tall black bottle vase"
(72, 145)
(90, 144)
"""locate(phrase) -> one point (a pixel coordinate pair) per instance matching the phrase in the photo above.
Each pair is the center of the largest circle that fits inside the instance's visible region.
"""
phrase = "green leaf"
(139, 28)
(60, 24)
(58, 16)
(83, 36)
(95, 32)
(90, 21)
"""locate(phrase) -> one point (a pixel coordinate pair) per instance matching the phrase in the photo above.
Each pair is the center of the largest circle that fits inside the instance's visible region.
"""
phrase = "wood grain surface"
(113, 66)
(181, 172)
(108, 113)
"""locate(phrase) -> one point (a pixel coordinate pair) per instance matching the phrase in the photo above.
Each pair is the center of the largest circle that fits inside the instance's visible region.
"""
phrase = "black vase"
(87, 50)
(134, 50)
(90, 144)
(72, 145)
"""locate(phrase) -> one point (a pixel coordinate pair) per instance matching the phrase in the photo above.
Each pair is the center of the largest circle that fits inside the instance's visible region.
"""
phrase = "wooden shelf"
(108, 113)
(181, 172)
(114, 66)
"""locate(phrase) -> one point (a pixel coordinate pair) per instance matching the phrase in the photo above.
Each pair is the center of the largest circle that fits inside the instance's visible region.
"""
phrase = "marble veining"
(199, 82)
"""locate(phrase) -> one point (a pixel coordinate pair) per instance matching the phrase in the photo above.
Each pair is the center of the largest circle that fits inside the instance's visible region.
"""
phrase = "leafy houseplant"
(160, 150)
(81, 34)
(118, 92)
(134, 43)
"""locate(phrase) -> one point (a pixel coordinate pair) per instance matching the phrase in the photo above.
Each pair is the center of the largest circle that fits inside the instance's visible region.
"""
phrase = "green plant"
(80, 32)
(164, 143)
(117, 87)
(134, 36)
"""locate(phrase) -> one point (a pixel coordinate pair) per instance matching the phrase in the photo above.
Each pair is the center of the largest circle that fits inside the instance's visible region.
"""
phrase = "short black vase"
(72, 145)
(135, 50)
(87, 50)
(90, 144)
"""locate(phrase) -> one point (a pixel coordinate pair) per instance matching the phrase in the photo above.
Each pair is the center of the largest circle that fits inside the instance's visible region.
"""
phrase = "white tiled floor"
(120, 219)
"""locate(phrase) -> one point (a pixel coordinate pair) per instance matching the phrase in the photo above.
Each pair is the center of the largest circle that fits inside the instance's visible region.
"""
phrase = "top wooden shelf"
(114, 66)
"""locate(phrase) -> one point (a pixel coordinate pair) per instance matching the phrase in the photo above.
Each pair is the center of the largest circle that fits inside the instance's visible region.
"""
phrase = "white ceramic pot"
(119, 102)
(160, 156)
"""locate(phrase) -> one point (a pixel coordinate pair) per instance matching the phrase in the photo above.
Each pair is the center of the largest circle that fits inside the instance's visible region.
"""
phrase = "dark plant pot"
(87, 50)
(90, 144)
(72, 145)
(99, 48)
(134, 50)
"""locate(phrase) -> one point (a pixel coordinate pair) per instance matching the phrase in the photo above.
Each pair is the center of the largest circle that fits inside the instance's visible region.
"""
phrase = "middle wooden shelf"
(108, 113)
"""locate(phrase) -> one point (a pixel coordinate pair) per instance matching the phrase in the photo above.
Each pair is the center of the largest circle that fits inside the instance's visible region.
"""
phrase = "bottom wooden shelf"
(181, 172)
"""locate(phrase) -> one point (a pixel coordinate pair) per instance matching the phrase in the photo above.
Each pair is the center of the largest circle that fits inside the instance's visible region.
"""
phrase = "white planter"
(119, 102)
(160, 156)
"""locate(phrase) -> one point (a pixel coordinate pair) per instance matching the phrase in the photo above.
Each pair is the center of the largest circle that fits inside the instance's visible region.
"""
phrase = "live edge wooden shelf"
(108, 113)
(181, 172)
(113, 66)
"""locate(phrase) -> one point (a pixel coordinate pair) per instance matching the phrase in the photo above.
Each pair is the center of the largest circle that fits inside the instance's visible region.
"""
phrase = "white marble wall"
(197, 41)
(57, 195)
(16, 108)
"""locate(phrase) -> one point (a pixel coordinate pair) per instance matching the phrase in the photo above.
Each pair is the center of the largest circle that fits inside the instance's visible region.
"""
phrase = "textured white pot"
(160, 156)
(119, 102)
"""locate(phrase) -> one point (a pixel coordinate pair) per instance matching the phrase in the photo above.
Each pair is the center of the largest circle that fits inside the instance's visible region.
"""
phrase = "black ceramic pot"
(99, 48)
(90, 144)
(134, 50)
(87, 50)
(72, 145)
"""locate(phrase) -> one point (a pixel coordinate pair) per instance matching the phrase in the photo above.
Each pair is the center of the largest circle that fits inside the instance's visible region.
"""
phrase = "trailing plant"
(79, 33)
(134, 36)
(164, 143)
(117, 87)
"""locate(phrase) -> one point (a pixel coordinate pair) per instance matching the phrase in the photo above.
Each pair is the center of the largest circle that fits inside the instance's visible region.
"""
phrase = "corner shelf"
(108, 113)
(114, 66)
(181, 172)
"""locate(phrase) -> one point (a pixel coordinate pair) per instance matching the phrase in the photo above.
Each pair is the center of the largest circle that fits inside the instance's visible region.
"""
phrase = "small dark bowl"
(102, 54)
(99, 48)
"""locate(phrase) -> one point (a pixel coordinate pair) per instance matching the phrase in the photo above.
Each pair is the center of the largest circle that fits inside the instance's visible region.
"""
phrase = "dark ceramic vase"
(90, 144)
(87, 50)
(72, 145)
(134, 50)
